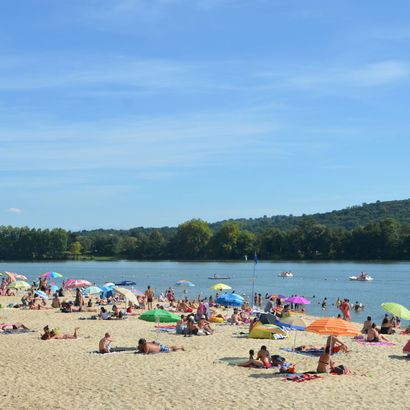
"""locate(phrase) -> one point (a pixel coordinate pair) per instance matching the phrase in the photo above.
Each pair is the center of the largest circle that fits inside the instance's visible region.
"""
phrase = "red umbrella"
(77, 283)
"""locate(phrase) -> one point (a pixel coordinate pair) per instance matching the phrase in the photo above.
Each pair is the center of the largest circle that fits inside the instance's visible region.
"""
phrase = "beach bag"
(341, 369)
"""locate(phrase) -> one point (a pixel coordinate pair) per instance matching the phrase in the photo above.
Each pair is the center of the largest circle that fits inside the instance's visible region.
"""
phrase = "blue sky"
(151, 112)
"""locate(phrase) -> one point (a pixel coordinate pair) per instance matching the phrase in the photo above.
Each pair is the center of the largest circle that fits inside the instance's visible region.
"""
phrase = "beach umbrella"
(125, 283)
(11, 276)
(21, 277)
(127, 294)
(51, 275)
(106, 289)
(19, 284)
(54, 288)
(277, 296)
(137, 292)
(293, 322)
(92, 290)
(220, 286)
(266, 331)
(160, 315)
(333, 327)
(184, 283)
(109, 285)
(397, 310)
(42, 294)
(77, 283)
(298, 299)
(229, 299)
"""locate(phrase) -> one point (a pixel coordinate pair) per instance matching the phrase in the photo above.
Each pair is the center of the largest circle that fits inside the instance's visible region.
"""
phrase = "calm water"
(319, 279)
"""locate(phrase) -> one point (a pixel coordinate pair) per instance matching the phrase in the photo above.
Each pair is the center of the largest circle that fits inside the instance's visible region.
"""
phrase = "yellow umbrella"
(19, 284)
(220, 286)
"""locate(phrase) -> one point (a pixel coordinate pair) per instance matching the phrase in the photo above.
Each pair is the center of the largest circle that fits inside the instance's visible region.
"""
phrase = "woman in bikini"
(50, 334)
(325, 361)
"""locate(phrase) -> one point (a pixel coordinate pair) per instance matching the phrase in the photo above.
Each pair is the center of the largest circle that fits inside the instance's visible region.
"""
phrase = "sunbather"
(154, 347)
(263, 359)
(374, 336)
(105, 344)
(51, 334)
(13, 326)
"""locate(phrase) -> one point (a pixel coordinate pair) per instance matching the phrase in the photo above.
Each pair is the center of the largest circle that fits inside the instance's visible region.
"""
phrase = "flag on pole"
(256, 259)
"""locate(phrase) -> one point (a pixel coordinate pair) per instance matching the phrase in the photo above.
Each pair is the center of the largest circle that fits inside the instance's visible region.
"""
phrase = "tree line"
(195, 240)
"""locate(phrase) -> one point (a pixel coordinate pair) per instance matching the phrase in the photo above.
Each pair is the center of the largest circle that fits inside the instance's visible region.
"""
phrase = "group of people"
(388, 327)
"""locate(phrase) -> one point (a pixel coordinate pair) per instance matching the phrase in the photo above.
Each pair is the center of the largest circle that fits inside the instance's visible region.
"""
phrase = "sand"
(64, 374)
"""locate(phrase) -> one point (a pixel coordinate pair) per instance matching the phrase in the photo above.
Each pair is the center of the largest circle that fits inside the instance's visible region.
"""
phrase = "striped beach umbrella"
(19, 284)
(333, 327)
(77, 283)
(137, 292)
(51, 275)
(397, 310)
(184, 283)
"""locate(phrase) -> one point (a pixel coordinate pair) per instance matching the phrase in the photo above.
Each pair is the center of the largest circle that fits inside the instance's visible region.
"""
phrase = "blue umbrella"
(229, 299)
(92, 289)
(41, 294)
(125, 283)
(54, 288)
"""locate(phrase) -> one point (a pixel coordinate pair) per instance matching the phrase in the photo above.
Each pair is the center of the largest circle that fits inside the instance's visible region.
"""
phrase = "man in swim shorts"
(149, 297)
(154, 347)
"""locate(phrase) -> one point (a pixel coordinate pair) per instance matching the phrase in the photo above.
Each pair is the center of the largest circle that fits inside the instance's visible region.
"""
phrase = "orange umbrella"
(333, 326)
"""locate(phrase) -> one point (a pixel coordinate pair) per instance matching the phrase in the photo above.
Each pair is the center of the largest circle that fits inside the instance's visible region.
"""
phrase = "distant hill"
(347, 218)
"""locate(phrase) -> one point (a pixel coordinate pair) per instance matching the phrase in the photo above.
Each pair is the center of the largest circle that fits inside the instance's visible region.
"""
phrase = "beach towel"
(116, 350)
(312, 353)
(365, 342)
(302, 377)
(16, 332)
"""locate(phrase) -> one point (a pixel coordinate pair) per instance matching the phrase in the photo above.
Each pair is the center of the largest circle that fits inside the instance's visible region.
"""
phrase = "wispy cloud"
(15, 210)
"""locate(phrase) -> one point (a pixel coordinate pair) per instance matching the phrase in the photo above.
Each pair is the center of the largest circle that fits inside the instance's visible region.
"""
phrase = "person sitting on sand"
(50, 334)
(336, 345)
(386, 327)
(325, 361)
(367, 325)
(105, 344)
(155, 347)
(373, 335)
(235, 318)
(117, 312)
(13, 326)
(263, 359)
(104, 315)
(55, 303)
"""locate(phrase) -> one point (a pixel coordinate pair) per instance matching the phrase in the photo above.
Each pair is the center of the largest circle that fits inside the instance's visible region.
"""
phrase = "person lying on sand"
(307, 348)
(105, 344)
(73, 308)
(154, 347)
(13, 326)
(374, 336)
(36, 306)
(50, 334)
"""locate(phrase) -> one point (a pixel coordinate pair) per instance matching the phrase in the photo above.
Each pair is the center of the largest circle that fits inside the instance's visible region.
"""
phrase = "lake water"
(313, 280)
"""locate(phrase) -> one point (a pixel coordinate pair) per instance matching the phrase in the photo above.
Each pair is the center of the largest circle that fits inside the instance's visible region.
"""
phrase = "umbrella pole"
(330, 353)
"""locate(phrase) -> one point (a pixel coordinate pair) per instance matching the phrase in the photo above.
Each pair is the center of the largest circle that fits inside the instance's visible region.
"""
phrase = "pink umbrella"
(77, 283)
(298, 299)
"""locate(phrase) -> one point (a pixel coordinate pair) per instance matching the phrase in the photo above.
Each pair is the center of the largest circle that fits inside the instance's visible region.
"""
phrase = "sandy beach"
(64, 374)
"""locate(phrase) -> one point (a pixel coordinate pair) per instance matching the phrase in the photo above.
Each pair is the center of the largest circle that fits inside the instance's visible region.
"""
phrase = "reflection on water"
(313, 280)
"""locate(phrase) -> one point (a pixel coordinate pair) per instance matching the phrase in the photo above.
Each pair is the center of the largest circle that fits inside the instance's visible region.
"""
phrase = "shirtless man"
(154, 347)
(367, 325)
(105, 344)
(235, 318)
(149, 297)
(50, 334)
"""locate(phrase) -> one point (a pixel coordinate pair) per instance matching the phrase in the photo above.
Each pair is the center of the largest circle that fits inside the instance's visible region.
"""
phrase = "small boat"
(285, 275)
(361, 278)
(216, 277)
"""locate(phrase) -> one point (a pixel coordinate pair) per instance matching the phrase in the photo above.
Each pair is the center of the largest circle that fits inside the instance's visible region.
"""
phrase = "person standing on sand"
(149, 297)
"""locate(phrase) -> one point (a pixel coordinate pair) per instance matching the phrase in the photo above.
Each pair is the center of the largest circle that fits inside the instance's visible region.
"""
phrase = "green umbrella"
(19, 284)
(159, 315)
(397, 310)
